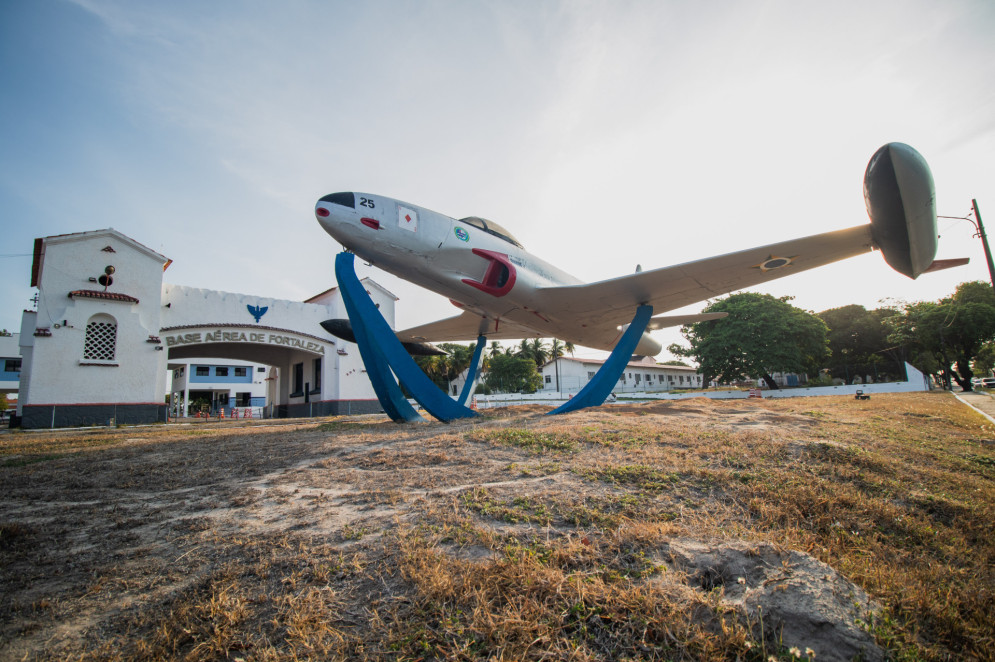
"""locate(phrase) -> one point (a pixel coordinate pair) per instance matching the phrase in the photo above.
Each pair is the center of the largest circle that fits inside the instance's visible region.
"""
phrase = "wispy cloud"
(649, 132)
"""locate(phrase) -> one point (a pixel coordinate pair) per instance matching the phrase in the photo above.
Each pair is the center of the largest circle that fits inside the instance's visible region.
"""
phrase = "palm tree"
(445, 369)
(433, 367)
(458, 360)
(535, 349)
(556, 350)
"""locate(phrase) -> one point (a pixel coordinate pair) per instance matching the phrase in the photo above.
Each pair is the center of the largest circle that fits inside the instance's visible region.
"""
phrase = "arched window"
(101, 338)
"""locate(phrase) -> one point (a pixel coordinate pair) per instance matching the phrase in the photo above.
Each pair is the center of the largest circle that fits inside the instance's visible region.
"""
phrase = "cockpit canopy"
(344, 199)
(490, 227)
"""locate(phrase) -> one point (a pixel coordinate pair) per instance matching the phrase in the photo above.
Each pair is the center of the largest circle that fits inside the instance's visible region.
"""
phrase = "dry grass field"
(809, 528)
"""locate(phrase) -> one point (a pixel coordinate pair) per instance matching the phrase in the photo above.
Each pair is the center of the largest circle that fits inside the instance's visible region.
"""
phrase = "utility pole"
(984, 241)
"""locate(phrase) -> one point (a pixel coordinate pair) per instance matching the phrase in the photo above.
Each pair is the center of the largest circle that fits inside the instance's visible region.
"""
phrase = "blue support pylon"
(598, 389)
(385, 386)
(382, 352)
(471, 372)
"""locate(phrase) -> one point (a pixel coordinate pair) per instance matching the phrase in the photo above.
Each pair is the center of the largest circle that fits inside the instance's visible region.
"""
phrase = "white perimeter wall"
(917, 382)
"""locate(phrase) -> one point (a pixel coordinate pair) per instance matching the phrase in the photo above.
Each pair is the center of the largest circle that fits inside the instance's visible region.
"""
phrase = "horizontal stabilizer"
(342, 328)
(940, 265)
(467, 326)
(666, 321)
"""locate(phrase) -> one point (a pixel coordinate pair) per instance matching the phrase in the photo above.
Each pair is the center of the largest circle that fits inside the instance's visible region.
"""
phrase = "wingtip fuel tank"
(901, 201)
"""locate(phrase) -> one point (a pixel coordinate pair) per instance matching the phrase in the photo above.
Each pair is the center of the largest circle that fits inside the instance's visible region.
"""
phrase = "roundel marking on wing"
(774, 262)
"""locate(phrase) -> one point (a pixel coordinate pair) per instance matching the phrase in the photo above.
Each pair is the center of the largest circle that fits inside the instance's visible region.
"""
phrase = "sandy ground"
(112, 521)
(104, 528)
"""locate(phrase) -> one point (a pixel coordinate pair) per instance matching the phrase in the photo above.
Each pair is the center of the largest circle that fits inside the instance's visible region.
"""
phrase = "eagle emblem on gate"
(257, 311)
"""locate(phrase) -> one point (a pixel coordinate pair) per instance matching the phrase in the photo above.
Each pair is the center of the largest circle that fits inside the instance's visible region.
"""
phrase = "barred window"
(101, 339)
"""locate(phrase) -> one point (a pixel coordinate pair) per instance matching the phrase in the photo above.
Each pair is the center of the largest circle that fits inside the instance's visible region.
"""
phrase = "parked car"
(988, 382)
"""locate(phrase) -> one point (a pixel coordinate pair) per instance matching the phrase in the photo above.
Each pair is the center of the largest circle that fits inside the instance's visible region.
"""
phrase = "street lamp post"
(984, 241)
(980, 233)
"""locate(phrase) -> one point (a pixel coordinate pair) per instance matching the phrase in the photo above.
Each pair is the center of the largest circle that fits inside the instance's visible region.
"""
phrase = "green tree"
(433, 368)
(458, 359)
(858, 341)
(984, 360)
(761, 335)
(944, 337)
(558, 348)
(917, 331)
(513, 374)
(535, 349)
(442, 370)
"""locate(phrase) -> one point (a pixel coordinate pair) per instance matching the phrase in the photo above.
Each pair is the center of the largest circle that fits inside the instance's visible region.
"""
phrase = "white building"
(10, 367)
(214, 386)
(107, 328)
(644, 375)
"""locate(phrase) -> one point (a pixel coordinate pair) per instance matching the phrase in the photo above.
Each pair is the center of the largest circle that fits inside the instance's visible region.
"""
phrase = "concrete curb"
(975, 408)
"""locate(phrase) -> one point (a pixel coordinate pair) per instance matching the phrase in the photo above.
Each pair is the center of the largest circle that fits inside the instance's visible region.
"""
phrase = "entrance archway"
(299, 386)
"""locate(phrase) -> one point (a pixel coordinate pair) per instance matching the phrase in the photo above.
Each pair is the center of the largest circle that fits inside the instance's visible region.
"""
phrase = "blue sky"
(602, 134)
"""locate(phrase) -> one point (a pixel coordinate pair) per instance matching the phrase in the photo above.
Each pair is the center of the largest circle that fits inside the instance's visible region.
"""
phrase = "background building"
(107, 329)
(644, 375)
(10, 367)
(209, 387)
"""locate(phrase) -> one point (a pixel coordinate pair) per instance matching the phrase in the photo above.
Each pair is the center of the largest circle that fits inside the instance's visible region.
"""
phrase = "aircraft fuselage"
(475, 263)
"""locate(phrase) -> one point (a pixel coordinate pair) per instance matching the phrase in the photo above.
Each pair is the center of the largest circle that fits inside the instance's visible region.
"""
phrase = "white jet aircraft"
(506, 292)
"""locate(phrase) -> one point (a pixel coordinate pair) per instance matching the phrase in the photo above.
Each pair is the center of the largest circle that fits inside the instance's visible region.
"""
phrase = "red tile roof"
(96, 294)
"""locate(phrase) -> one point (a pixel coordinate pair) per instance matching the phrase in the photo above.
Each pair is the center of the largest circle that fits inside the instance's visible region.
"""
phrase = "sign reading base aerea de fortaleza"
(266, 338)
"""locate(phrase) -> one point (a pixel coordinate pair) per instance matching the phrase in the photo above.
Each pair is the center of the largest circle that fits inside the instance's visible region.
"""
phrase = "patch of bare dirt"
(286, 541)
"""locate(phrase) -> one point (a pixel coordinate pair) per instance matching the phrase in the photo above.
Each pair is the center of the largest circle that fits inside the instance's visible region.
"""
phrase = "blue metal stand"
(383, 352)
(471, 372)
(384, 385)
(598, 389)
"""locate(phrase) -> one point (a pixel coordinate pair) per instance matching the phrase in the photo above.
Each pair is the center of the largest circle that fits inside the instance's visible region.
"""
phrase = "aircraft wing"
(466, 326)
(591, 314)
(613, 301)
